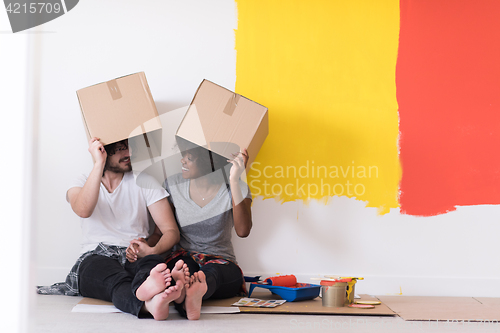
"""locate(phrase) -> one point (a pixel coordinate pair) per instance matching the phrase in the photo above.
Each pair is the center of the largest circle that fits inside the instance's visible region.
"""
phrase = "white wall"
(16, 190)
(178, 44)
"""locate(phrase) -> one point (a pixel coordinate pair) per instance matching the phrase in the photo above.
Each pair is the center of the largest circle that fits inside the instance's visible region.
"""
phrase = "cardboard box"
(223, 122)
(120, 109)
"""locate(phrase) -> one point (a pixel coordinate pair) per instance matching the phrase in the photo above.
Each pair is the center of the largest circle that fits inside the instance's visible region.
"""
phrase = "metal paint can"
(350, 290)
(333, 293)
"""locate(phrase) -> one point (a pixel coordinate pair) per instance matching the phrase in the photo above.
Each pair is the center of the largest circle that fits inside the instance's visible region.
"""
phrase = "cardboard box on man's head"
(120, 109)
(224, 122)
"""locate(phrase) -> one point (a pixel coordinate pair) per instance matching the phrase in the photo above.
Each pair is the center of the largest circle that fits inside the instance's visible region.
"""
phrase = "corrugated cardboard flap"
(218, 118)
(119, 108)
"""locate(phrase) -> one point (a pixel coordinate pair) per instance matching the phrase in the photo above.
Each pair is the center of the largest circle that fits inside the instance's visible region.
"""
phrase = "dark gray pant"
(105, 278)
(223, 281)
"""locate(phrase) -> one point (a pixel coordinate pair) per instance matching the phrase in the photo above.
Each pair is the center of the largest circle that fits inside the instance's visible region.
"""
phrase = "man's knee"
(97, 267)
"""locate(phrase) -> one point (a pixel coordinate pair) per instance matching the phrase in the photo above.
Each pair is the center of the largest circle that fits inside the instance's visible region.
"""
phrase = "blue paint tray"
(301, 292)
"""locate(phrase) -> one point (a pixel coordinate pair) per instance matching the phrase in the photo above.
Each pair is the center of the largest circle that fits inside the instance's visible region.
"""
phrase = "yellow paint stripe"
(326, 71)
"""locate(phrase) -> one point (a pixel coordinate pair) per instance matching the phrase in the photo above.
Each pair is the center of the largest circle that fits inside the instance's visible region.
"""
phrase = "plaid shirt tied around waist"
(70, 286)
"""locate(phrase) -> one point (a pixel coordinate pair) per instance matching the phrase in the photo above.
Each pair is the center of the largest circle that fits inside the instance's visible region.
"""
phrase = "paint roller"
(282, 281)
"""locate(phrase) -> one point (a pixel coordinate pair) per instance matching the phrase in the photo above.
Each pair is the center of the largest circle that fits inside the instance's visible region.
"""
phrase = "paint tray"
(300, 292)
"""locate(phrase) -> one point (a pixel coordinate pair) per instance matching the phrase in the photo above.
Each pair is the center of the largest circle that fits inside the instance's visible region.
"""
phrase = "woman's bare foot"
(158, 280)
(158, 305)
(194, 295)
(180, 274)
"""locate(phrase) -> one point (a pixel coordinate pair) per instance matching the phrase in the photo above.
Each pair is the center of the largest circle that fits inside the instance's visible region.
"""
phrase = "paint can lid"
(334, 282)
(368, 302)
(361, 306)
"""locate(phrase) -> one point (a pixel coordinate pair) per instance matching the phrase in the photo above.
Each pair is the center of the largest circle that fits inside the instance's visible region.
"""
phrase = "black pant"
(105, 278)
(223, 281)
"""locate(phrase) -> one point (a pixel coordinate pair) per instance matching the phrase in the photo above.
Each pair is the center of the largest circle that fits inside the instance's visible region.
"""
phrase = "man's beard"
(116, 167)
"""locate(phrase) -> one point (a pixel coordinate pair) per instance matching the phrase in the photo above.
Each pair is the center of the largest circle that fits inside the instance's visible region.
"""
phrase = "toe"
(179, 264)
(160, 267)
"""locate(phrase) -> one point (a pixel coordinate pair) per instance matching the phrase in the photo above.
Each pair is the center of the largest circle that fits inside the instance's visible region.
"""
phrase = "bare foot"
(158, 305)
(180, 274)
(194, 294)
(158, 280)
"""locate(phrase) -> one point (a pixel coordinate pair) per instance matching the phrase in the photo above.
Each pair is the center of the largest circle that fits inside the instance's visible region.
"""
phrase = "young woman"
(209, 199)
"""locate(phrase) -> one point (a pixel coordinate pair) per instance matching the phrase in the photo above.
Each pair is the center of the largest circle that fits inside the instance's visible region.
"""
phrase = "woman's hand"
(242, 213)
(132, 252)
(137, 249)
(239, 164)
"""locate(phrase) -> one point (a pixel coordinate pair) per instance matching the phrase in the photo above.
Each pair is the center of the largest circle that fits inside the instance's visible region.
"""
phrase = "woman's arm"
(242, 215)
(242, 212)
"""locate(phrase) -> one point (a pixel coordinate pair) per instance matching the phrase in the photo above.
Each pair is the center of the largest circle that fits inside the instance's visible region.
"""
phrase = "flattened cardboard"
(313, 306)
(489, 301)
(120, 109)
(443, 308)
(92, 301)
(218, 119)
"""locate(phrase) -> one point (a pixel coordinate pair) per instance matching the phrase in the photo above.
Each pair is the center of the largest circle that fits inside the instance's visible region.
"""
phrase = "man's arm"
(155, 237)
(84, 199)
(162, 214)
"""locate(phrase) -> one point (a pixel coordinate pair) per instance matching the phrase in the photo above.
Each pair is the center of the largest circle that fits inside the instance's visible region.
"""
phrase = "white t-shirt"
(121, 216)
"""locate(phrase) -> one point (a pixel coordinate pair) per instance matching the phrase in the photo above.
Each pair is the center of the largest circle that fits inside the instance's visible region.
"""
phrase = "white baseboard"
(46, 276)
(372, 285)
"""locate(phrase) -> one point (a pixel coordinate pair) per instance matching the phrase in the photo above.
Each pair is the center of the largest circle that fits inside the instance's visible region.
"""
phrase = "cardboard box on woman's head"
(120, 109)
(224, 122)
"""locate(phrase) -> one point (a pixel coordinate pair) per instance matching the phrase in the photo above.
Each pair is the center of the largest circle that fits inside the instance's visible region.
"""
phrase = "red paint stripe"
(448, 90)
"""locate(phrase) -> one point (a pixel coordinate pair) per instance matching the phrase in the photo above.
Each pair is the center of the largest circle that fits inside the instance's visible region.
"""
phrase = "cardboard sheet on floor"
(313, 306)
(443, 308)
(92, 305)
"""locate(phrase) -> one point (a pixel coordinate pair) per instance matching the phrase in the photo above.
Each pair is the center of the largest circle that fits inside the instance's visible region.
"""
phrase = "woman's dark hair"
(206, 160)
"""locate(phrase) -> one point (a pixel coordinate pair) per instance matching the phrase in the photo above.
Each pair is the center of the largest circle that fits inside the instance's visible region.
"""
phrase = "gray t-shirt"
(204, 229)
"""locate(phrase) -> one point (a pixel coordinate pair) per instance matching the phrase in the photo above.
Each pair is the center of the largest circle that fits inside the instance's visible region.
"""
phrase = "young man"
(114, 212)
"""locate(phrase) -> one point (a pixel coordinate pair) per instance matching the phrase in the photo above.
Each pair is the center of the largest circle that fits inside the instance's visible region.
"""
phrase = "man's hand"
(96, 149)
(137, 249)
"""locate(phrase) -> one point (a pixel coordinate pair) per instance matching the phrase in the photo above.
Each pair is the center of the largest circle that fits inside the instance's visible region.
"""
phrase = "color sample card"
(255, 302)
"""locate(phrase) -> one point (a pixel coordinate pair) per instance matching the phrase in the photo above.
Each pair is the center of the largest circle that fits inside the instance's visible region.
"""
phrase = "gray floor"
(53, 314)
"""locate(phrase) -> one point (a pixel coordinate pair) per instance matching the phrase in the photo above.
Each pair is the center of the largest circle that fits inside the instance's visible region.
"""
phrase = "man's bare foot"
(158, 280)
(194, 295)
(180, 274)
(158, 305)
